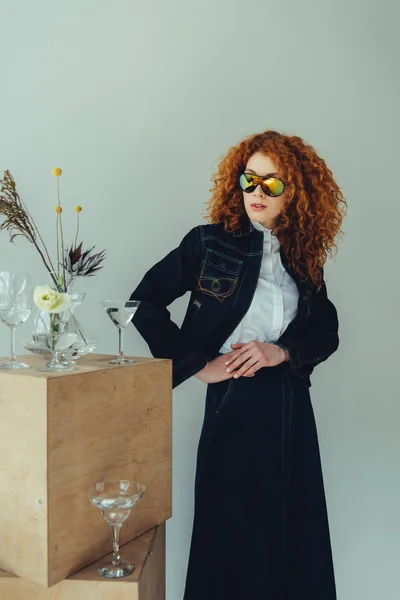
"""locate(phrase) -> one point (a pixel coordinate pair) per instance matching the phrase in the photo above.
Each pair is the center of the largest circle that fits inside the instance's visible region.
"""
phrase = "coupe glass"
(84, 343)
(115, 500)
(120, 313)
(15, 307)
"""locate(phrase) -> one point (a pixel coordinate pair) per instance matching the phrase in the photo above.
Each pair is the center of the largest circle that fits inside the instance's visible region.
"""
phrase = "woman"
(258, 322)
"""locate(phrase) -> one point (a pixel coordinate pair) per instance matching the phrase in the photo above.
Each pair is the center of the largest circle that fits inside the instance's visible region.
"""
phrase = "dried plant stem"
(61, 235)
(77, 230)
(41, 239)
(36, 230)
(18, 218)
(49, 268)
(57, 240)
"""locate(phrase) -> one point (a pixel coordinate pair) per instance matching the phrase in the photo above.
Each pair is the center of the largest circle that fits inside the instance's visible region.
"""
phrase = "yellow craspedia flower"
(58, 209)
(78, 208)
(57, 171)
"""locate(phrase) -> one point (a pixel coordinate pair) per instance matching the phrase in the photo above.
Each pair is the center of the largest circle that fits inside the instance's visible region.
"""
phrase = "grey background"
(137, 102)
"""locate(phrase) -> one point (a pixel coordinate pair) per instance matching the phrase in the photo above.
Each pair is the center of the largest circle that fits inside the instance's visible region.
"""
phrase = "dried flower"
(18, 221)
(78, 209)
(78, 263)
(59, 228)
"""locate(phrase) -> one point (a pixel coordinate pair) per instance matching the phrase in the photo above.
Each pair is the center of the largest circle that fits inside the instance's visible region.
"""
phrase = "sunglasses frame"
(261, 181)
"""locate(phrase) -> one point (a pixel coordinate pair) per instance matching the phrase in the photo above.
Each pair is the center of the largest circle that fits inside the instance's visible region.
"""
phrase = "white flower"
(50, 300)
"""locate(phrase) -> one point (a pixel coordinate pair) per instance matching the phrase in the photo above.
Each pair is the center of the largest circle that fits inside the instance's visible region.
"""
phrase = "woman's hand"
(215, 370)
(248, 358)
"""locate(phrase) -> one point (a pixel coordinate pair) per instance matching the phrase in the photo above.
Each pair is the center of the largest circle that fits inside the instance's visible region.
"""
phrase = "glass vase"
(56, 281)
(49, 332)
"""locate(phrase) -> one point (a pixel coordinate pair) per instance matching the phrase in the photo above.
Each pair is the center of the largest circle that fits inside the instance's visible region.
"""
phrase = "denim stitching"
(214, 292)
(222, 269)
(195, 370)
(286, 474)
(238, 292)
(185, 360)
(228, 258)
(202, 238)
(224, 399)
(232, 247)
(290, 428)
(180, 379)
(301, 363)
(194, 309)
(219, 297)
(283, 466)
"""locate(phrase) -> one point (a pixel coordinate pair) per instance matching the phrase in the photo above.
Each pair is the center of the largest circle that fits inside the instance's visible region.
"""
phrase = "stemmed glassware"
(15, 308)
(49, 332)
(52, 332)
(120, 313)
(115, 500)
(80, 345)
(84, 343)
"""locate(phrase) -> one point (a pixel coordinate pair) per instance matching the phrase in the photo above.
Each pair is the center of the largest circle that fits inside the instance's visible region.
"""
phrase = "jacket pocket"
(219, 275)
(225, 397)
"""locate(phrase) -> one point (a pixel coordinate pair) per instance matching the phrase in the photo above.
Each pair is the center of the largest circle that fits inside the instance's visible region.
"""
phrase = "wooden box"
(61, 432)
(147, 582)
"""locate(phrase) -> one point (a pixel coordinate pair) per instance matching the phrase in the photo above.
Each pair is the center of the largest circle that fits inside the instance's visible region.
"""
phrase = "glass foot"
(121, 361)
(122, 569)
(55, 368)
(68, 363)
(14, 365)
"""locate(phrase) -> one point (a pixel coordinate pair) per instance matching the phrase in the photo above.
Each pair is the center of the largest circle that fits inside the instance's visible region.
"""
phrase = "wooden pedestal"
(61, 432)
(147, 582)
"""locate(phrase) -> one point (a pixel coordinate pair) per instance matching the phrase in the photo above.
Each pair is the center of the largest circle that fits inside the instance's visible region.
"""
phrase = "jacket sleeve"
(167, 280)
(314, 341)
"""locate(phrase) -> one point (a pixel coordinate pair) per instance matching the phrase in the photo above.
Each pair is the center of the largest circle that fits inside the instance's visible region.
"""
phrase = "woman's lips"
(256, 206)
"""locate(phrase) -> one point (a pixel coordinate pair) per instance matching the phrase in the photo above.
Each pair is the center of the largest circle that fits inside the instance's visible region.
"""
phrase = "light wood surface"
(87, 364)
(23, 473)
(147, 582)
(60, 433)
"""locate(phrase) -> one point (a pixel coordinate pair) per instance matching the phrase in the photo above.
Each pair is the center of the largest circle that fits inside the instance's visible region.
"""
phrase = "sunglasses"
(271, 186)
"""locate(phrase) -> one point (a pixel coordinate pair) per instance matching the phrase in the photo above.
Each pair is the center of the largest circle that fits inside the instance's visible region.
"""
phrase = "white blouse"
(274, 303)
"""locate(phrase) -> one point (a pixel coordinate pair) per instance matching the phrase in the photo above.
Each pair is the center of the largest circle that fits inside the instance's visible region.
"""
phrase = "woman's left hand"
(249, 358)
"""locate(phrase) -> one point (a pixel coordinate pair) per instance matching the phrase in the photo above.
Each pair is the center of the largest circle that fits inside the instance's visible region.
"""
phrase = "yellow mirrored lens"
(270, 186)
(275, 186)
(246, 181)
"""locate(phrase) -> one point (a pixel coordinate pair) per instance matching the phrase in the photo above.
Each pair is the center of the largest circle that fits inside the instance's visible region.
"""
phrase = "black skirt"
(260, 528)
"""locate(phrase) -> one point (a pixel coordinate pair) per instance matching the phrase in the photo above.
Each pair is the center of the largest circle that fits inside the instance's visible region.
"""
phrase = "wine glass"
(15, 308)
(120, 313)
(115, 500)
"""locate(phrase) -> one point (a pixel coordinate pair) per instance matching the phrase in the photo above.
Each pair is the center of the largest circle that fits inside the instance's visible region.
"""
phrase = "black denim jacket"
(221, 271)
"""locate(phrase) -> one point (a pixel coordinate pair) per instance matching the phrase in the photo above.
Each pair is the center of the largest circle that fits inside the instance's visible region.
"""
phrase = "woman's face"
(260, 207)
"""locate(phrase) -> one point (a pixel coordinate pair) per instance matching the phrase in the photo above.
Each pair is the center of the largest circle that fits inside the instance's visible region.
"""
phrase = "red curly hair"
(315, 206)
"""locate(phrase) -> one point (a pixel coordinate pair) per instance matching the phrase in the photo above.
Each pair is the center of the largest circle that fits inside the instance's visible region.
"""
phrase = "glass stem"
(53, 332)
(116, 556)
(120, 341)
(54, 362)
(12, 351)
